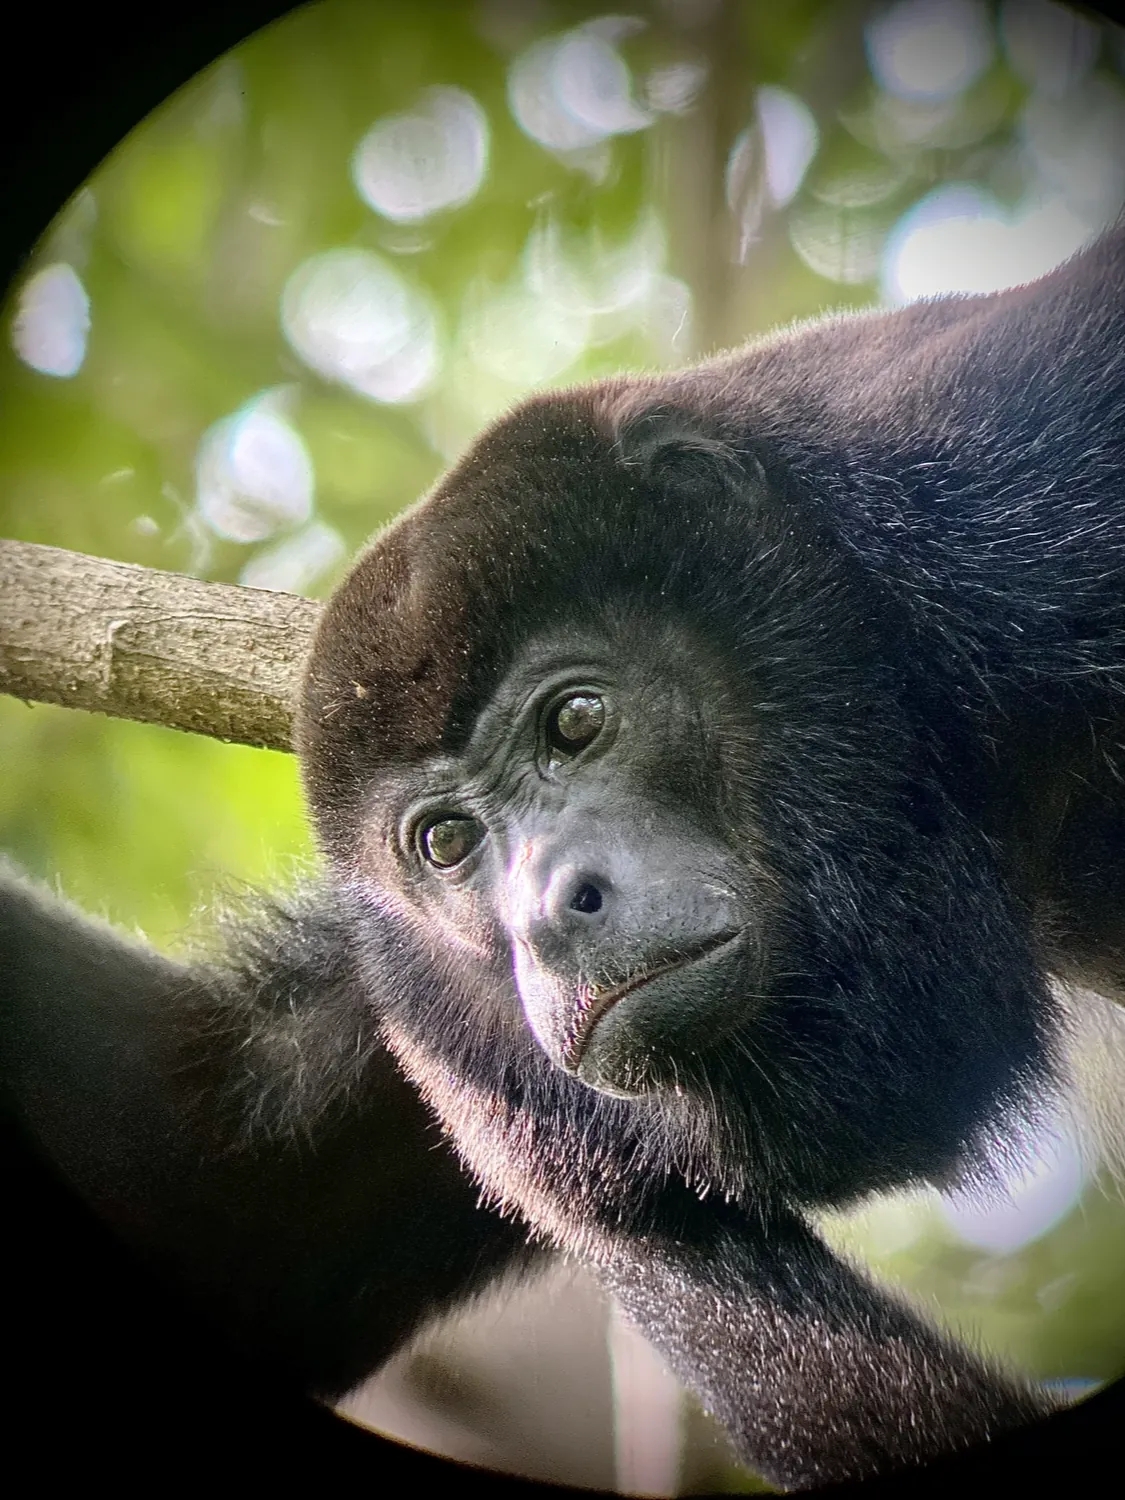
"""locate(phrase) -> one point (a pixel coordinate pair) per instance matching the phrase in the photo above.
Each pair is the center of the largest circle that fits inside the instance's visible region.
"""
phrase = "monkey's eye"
(450, 840)
(571, 726)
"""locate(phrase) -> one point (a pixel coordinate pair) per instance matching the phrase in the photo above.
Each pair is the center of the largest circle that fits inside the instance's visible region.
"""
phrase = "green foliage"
(143, 824)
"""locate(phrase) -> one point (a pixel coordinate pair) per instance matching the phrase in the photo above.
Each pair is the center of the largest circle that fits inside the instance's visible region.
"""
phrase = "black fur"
(870, 572)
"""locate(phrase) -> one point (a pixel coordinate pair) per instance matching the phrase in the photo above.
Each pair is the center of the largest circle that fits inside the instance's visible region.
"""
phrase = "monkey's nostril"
(587, 898)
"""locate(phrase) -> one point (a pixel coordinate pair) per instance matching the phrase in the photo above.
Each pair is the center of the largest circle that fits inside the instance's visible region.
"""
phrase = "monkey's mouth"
(595, 1001)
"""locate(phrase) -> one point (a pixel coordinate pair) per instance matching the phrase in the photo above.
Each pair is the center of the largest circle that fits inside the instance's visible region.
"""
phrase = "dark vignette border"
(110, 1376)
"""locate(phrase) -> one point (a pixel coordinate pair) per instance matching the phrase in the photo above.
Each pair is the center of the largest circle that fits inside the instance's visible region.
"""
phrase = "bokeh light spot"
(353, 319)
(253, 474)
(52, 321)
(930, 49)
(409, 166)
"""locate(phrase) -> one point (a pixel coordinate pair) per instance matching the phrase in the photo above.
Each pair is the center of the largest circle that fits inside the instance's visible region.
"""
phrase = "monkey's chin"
(656, 1034)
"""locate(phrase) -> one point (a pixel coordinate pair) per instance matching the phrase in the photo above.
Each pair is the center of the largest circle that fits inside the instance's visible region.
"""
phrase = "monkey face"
(588, 838)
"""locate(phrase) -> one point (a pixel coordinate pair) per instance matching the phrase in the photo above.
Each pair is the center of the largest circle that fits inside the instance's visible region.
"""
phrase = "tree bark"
(112, 638)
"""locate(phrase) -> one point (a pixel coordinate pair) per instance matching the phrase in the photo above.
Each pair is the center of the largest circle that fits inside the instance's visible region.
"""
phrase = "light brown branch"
(116, 639)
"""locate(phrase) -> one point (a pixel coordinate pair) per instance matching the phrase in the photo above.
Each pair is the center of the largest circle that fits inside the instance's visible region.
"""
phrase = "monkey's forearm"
(300, 1194)
(816, 1374)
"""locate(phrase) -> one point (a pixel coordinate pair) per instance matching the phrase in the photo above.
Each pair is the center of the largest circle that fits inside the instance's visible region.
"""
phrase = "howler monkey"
(708, 774)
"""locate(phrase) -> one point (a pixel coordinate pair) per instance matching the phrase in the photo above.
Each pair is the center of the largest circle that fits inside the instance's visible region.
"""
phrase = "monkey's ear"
(671, 445)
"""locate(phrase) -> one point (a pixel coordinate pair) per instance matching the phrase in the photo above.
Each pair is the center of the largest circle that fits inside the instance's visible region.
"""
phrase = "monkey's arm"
(244, 1130)
(816, 1374)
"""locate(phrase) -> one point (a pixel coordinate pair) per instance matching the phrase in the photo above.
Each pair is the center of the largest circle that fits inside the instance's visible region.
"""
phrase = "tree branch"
(137, 643)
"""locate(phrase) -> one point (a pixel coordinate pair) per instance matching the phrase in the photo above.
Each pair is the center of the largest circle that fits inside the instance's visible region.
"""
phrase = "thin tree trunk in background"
(733, 281)
(691, 170)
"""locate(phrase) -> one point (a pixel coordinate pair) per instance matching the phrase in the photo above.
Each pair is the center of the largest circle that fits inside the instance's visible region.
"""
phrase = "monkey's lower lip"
(593, 1004)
